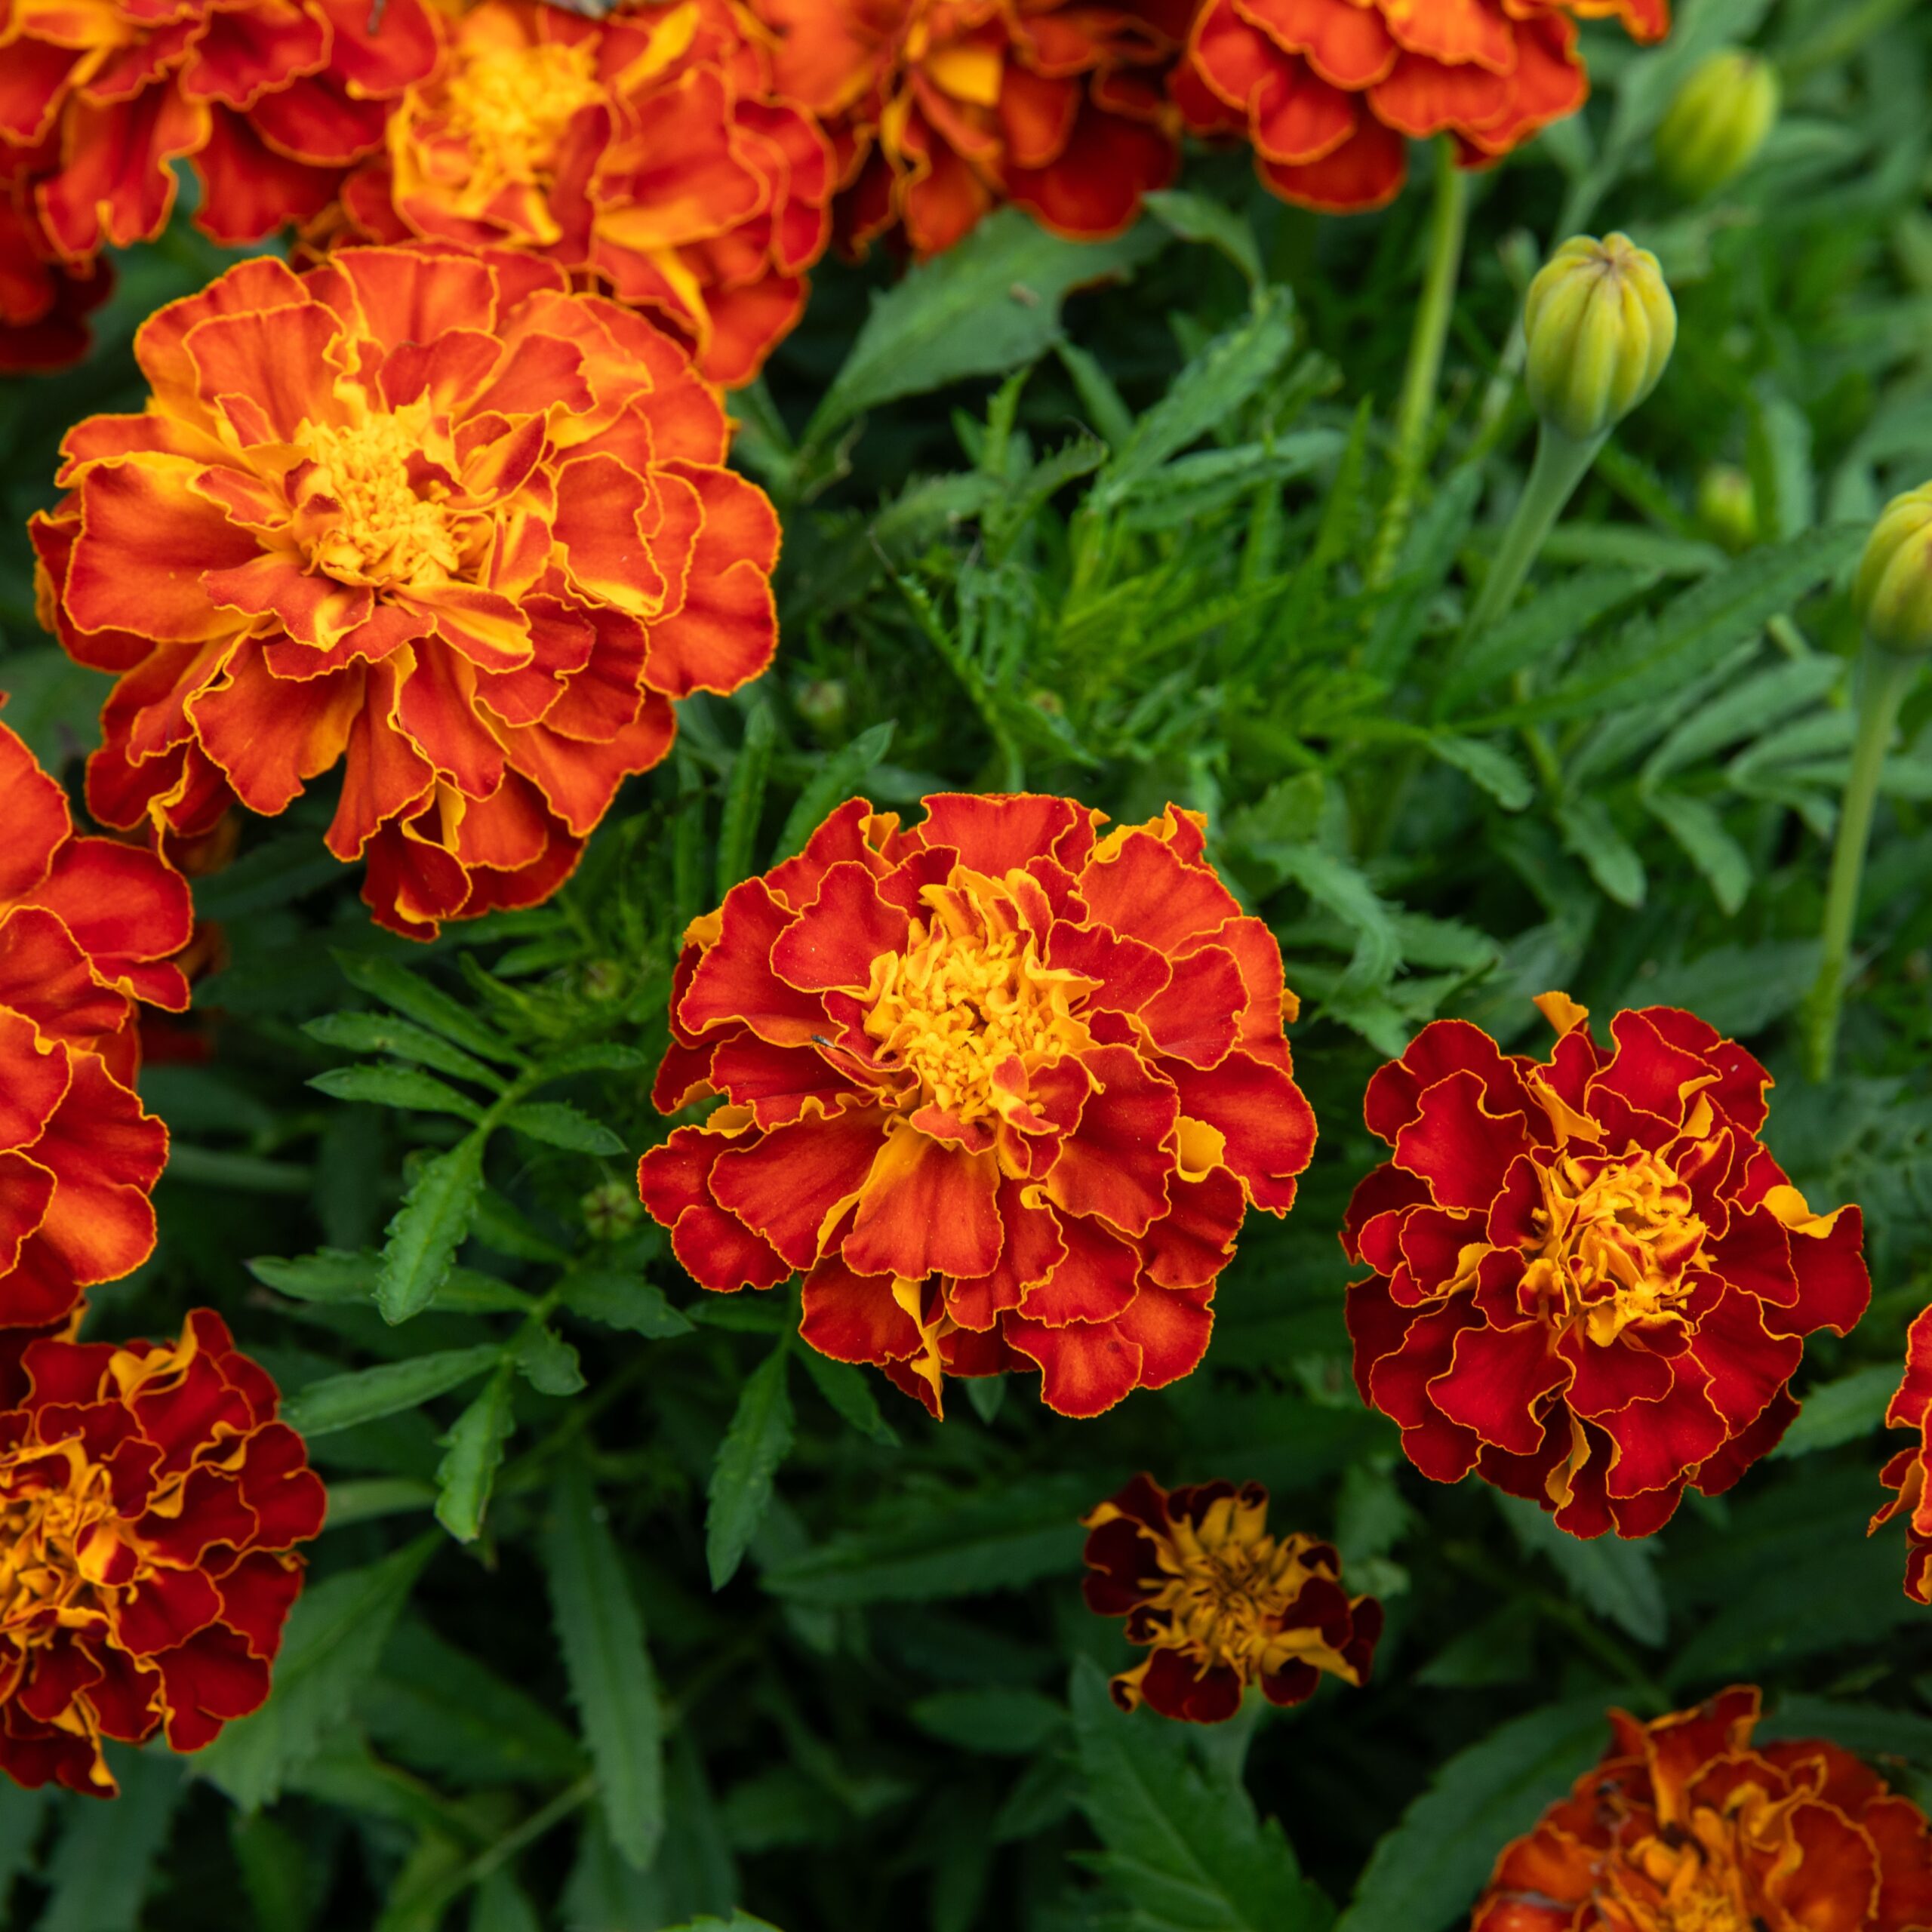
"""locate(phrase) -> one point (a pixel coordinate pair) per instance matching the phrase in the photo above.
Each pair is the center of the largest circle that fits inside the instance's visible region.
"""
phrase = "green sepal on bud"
(1893, 592)
(1599, 325)
(1720, 118)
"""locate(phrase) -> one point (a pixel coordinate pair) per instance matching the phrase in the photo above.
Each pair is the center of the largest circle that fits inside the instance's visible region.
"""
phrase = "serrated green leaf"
(409, 993)
(403, 1087)
(1590, 833)
(365, 1394)
(848, 1392)
(1195, 218)
(597, 1057)
(549, 1363)
(610, 1677)
(1557, 616)
(1739, 989)
(384, 1033)
(1490, 766)
(1841, 1410)
(758, 1440)
(557, 1123)
(620, 1300)
(1696, 827)
(1614, 1579)
(428, 1229)
(97, 1876)
(1004, 1723)
(475, 1444)
(334, 1275)
(1745, 711)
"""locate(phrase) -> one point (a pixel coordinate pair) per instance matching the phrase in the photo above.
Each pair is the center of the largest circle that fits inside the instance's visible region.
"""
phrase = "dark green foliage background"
(1122, 551)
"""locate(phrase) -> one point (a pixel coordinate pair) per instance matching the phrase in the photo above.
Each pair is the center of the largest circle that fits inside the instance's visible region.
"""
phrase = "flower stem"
(1448, 226)
(1887, 678)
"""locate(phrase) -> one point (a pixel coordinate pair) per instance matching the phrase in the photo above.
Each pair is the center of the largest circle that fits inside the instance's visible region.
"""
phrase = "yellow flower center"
(52, 1544)
(1618, 1240)
(969, 1009)
(513, 103)
(1682, 1890)
(373, 526)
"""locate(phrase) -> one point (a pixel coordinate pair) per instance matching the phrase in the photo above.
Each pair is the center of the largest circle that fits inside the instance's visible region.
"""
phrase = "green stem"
(1448, 226)
(1886, 680)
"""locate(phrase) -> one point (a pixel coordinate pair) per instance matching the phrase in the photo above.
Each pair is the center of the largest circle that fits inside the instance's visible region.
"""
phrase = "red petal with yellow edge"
(716, 1249)
(35, 813)
(1094, 1279)
(1171, 1329)
(790, 1183)
(1143, 888)
(1496, 1380)
(835, 938)
(854, 1318)
(734, 982)
(728, 629)
(1114, 1165)
(1265, 1119)
(926, 1208)
(1459, 1145)
(1366, 172)
(270, 735)
(34, 1080)
(47, 979)
(1085, 1369)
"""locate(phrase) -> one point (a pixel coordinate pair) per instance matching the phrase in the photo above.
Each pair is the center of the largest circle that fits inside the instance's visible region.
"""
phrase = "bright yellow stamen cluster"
(513, 103)
(52, 1543)
(1692, 1882)
(380, 531)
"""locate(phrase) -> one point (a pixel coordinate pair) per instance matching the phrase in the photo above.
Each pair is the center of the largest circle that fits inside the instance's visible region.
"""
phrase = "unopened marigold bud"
(1728, 507)
(822, 704)
(1601, 326)
(610, 1211)
(1720, 118)
(1893, 593)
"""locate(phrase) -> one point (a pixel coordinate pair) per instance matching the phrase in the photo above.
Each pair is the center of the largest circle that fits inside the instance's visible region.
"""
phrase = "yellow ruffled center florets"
(1618, 1240)
(54, 1546)
(1690, 1881)
(375, 523)
(513, 103)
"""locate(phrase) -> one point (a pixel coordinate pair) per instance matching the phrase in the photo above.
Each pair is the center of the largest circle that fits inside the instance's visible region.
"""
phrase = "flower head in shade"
(1688, 1825)
(643, 153)
(1219, 1603)
(87, 928)
(1002, 1088)
(943, 108)
(45, 302)
(149, 1507)
(269, 101)
(1592, 1280)
(1331, 92)
(1905, 1474)
(428, 517)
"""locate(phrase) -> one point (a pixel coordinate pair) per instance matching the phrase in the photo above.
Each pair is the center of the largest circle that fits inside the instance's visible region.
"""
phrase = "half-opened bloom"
(643, 153)
(149, 1507)
(428, 516)
(1687, 1825)
(1905, 1473)
(1002, 1087)
(87, 928)
(1219, 1603)
(1591, 1279)
(943, 108)
(1330, 92)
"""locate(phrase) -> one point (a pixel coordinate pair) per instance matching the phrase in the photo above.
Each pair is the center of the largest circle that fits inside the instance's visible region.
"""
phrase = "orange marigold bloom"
(1330, 92)
(428, 515)
(1905, 1474)
(643, 153)
(270, 101)
(1221, 1603)
(87, 929)
(1002, 1087)
(1591, 1279)
(1687, 1826)
(149, 1507)
(942, 109)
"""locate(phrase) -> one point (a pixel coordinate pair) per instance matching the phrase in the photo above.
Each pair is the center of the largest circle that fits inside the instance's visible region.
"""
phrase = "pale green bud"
(1893, 593)
(1600, 325)
(1720, 118)
(1728, 507)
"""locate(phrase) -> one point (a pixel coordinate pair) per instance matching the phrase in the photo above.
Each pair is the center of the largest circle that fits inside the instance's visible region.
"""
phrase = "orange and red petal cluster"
(1219, 1604)
(1002, 1087)
(426, 516)
(1905, 1474)
(943, 109)
(150, 1504)
(645, 154)
(1591, 1281)
(1687, 1822)
(88, 928)
(269, 102)
(1330, 92)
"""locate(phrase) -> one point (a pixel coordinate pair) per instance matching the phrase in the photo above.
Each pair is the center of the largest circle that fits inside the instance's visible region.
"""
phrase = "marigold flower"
(44, 304)
(1221, 1603)
(1330, 92)
(1905, 1473)
(1591, 1279)
(943, 108)
(149, 1507)
(643, 153)
(269, 101)
(87, 929)
(1687, 1823)
(428, 515)
(1001, 1088)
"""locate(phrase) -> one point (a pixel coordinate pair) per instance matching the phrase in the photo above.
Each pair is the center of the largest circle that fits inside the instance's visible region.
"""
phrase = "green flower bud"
(1893, 593)
(1728, 507)
(1601, 325)
(1719, 120)
(822, 704)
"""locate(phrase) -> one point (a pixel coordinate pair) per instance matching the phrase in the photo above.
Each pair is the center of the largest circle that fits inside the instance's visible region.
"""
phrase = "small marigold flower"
(428, 516)
(1687, 1825)
(1221, 1603)
(943, 108)
(149, 1507)
(643, 153)
(269, 101)
(1330, 92)
(1002, 1089)
(1591, 1281)
(1905, 1473)
(87, 928)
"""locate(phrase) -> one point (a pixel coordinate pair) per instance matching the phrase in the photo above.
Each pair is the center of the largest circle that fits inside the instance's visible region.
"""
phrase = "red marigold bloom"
(44, 304)
(643, 153)
(1001, 1088)
(942, 109)
(1221, 1603)
(149, 1507)
(1591, 1279)
(429, 516)
(87, 928)
(1905, 1474)
(1330, 92)
(1686, 1823)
